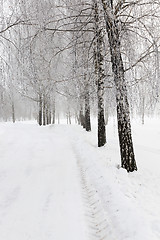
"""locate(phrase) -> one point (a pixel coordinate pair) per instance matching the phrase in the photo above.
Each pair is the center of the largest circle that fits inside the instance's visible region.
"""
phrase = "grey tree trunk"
(53, 113)
(48, 110)
(123, 114)
(49, 117)
(58, 118)
(13, 113)
(143, 109)
(87, 111)
(69, 117)
(47, 114)
(99, 70)
(82, 118)
(40, 111)
(44, 111)
(106, 115)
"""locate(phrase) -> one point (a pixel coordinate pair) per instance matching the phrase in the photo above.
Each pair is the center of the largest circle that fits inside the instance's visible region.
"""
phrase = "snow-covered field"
(55, 184)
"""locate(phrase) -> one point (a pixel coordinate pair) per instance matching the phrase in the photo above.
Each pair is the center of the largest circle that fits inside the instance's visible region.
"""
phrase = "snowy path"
(55, 184)
(40, 191)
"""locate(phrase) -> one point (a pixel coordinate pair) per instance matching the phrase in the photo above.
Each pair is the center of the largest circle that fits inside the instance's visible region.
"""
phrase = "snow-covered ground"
(56, 184)
(40, 194)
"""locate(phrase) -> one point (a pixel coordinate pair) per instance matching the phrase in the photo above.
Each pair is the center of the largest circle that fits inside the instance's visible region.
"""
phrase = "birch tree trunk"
(40, 111)
(87, 110)
(53, 112)
(44, 111)
(13, 113)
(99, 70)
(81, 117)
(123, 114)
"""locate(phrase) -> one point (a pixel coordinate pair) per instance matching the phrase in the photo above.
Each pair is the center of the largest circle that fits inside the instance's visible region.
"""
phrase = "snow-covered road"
(40, 189)
(55, 184)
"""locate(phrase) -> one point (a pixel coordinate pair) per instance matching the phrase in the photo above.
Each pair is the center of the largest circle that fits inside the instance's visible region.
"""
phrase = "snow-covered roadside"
(130, 200)
(40, 192)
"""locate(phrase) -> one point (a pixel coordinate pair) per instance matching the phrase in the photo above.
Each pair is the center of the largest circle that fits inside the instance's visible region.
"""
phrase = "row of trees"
(102, 53)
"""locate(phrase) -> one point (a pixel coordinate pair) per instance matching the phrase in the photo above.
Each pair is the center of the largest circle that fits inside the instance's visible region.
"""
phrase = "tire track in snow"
(98, 225)
(96, 220)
